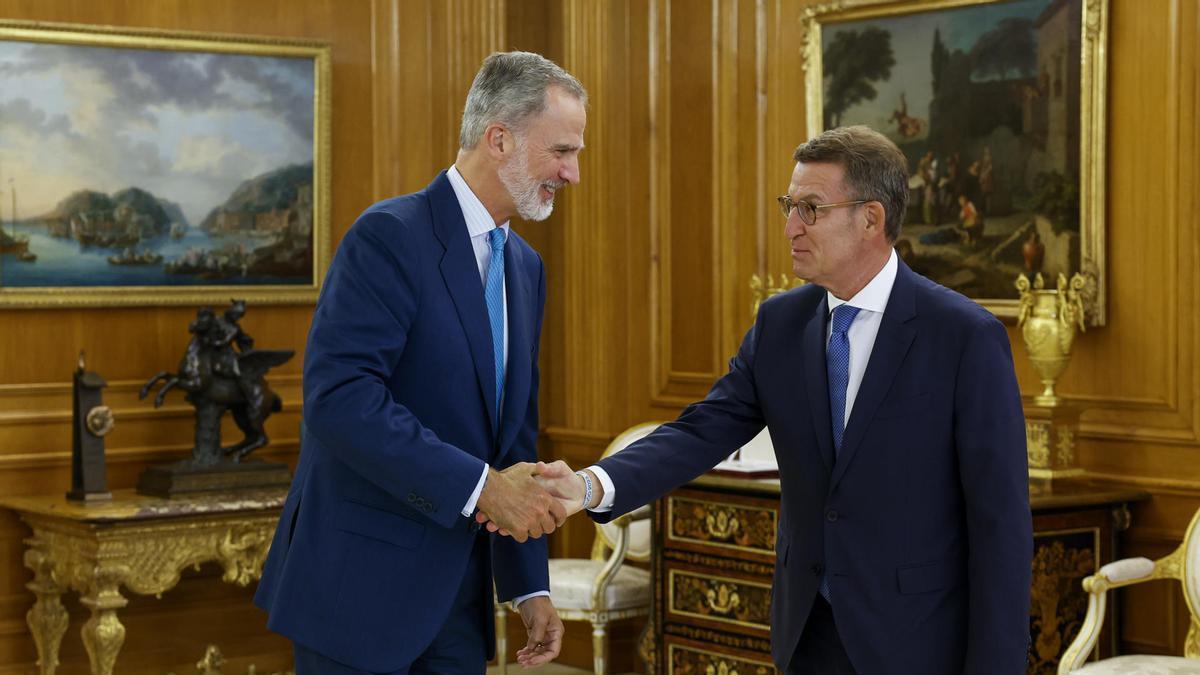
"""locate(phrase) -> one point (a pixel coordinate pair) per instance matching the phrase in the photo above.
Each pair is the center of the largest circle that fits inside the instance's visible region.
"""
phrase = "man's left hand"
(545, 631)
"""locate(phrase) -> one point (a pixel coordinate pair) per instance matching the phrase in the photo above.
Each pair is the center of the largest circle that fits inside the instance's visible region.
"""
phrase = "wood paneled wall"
(696, 106)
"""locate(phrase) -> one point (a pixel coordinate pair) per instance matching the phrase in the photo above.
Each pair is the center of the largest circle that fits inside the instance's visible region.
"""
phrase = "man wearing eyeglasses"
(905, 537)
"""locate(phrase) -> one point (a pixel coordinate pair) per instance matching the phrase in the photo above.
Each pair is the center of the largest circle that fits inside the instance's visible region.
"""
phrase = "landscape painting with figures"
(135, 167)
(984, 100)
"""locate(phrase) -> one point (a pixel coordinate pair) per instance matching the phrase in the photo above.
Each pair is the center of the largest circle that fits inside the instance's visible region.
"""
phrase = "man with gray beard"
(420, 407)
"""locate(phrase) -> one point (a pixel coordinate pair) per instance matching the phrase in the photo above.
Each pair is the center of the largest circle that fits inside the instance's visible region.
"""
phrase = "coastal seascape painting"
(156, 168)
(998, 107)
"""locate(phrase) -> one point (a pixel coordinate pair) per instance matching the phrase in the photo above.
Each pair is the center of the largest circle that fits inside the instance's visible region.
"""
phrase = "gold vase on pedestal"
(1048, 320)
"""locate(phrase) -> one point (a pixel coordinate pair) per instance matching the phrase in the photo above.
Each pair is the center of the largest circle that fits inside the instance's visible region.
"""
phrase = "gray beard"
(523, 188)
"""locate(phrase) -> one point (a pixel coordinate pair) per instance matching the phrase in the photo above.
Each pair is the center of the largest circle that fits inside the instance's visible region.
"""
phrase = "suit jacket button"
(831, 515)
(817, 569)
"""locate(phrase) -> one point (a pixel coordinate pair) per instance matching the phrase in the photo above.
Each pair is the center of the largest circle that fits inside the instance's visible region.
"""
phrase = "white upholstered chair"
(1183, 565)
(600, 589)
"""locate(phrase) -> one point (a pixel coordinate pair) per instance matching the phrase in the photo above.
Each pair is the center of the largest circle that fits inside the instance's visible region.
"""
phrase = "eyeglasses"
(807, 210)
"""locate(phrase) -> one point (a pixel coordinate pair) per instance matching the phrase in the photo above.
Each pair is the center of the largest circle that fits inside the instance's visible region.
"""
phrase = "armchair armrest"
(1125, 572)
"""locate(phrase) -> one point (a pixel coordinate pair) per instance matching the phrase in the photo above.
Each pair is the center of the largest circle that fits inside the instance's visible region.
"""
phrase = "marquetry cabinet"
(713, 561)
(715, 554)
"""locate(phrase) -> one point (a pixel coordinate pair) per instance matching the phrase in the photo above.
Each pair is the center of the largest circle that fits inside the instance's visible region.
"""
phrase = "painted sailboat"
(20, 243)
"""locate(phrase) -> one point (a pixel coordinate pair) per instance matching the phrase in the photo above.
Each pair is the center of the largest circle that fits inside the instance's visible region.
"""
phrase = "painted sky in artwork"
(186, 126)
(912, 41)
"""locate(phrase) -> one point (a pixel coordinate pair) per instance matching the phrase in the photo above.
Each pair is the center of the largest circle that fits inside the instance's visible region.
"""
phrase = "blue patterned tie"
(837, 366)
(493, 293)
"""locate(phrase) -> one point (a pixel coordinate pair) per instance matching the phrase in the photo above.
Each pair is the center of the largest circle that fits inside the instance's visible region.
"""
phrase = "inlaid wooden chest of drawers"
(715, 554)
(713, 572)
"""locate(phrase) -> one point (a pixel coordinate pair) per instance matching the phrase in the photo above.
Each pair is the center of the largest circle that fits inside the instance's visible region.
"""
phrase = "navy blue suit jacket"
(922, 524)
(399, 403)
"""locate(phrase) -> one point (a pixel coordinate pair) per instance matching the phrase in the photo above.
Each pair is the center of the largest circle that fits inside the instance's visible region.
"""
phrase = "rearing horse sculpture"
(217, 377)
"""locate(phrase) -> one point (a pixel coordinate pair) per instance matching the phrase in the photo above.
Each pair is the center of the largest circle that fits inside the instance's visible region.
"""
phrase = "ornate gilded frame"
(252, 45)
(1092, 112)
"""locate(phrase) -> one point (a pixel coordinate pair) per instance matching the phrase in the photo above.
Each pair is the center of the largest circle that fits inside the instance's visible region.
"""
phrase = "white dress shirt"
(479, 224)
(871, 301)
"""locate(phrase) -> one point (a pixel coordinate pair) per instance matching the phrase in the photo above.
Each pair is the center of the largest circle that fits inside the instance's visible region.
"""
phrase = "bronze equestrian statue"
(222, 371)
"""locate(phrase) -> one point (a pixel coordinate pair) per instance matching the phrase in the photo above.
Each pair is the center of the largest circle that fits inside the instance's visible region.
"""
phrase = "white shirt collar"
(874, 296)
(479, 221)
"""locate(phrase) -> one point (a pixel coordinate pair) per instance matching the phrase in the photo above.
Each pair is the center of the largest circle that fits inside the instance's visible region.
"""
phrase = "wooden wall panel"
(425, 54)
(591, 209)
(689, 232)
(707, 224)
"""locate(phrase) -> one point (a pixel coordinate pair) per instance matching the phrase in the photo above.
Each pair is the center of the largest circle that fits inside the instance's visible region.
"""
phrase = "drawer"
(727, 525)
(684, 657)
(706, 598)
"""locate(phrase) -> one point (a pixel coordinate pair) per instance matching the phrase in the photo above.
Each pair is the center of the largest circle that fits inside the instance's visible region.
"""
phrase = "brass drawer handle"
(722, 524)
(723, 599)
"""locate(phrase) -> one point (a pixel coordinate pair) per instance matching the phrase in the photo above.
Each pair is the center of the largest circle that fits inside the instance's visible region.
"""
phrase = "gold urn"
(1048, 319)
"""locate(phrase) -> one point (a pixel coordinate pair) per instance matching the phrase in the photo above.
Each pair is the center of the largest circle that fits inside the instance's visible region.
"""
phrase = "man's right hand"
(518, 505)
(563, 484)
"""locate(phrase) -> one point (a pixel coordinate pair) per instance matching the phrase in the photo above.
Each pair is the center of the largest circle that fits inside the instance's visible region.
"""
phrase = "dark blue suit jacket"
(922, 523)
(399, 403)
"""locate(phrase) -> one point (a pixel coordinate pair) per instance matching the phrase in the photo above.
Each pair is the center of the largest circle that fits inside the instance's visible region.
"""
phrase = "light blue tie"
(493, 293)
(837, 367)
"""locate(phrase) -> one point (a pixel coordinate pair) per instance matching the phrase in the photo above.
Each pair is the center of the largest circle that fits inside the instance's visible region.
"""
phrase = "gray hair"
(875, 169)
(510, 88)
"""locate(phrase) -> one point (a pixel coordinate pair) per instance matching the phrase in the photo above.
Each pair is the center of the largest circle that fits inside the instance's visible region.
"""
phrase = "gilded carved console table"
(141, 543)
(714, 552)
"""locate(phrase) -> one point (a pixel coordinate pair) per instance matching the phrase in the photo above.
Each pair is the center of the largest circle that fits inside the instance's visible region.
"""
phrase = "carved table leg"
(103, 634)
(47, 618)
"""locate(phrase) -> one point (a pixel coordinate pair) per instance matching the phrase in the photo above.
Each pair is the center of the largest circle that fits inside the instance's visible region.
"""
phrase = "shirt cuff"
(469, 509)
(610, 493)
(516, 602)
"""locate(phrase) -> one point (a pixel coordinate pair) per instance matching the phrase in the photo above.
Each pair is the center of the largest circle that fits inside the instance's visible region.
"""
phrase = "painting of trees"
(853, 60)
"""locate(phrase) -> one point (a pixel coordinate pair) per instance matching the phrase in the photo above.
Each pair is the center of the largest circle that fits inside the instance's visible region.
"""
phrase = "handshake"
(528, 500)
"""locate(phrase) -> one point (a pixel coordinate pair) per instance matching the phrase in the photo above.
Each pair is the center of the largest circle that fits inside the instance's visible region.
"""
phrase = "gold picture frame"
(162, 167)
(992, 94)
